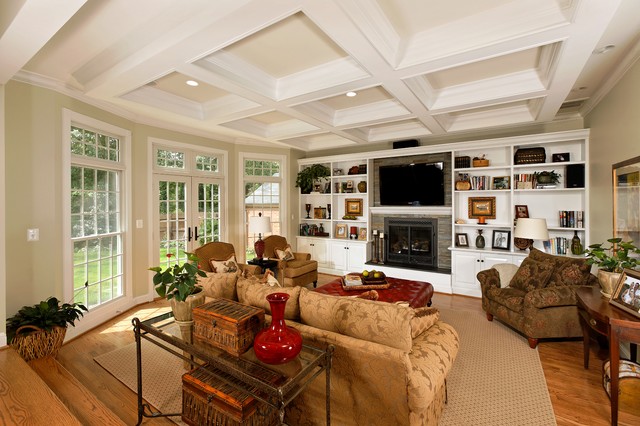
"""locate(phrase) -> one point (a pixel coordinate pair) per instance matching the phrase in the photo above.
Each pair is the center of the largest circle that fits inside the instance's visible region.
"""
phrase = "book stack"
(523, 181)
(571, 218)
(557, 245)
(479, 182)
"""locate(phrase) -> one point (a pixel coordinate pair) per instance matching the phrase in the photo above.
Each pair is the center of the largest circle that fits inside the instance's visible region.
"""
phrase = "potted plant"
(546, 177)
(308, 175)
(611, 260)
(178, 284)
(38, 331)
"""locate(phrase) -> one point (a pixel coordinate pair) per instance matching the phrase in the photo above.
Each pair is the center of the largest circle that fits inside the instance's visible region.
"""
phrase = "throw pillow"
(285, 254)
(221, 284)
(568, 271)
(531, 274)
(316, 309)
(269, 279)
(423, 320)
(251, 291)
(224, 265)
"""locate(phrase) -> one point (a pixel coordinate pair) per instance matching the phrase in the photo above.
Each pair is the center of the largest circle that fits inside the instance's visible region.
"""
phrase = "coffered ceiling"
(278, 71)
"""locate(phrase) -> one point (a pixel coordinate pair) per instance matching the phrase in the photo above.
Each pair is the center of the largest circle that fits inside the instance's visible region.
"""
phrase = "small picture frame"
(462, 240)
(561, 157)
(482, 207)
(500, 182)
(353, 206)
(501, 240)
(362, 234)
(341, 230)
(521, 211)
(319, 213)
(626, 295)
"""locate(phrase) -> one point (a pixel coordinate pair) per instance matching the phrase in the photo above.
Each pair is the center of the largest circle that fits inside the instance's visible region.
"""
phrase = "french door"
(187, 215)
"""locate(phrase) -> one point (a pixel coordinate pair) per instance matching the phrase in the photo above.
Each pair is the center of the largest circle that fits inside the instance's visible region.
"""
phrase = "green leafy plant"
(618, 256)
(178, 281)
(547, 177)
(45, 315)
(308, 175)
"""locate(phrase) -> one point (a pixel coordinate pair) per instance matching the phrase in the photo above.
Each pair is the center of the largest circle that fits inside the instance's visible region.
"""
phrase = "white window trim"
(152, 144)
(284, 194)
(102, 313)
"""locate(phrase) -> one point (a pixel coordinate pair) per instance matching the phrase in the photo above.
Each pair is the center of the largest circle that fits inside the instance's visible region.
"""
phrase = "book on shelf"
(557, 245)
(571, 218)
(545, 186)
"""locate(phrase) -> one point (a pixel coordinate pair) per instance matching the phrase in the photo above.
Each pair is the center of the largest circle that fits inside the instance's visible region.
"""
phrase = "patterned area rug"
(496, 379)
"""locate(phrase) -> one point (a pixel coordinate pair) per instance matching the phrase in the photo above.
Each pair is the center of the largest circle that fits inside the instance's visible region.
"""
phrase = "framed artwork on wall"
(353, 206)
(521, 211)
(482, 207)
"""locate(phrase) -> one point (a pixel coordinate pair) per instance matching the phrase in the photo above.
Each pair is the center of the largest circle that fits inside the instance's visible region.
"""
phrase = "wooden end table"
(265, 264)
(597, 314)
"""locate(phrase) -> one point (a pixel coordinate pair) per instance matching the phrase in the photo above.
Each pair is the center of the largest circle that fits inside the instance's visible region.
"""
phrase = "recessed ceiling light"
(604, 49)
(351, 94)
(192, 83)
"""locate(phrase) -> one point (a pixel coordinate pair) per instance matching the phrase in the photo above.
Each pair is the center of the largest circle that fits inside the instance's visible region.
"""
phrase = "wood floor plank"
(24, 397)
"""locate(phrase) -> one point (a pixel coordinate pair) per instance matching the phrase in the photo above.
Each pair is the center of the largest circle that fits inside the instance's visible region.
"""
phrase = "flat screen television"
(415, 184)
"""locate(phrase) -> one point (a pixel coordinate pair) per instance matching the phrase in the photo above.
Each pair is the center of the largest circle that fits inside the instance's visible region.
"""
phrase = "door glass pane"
(261, 198)
(172, 223)
(208, 213)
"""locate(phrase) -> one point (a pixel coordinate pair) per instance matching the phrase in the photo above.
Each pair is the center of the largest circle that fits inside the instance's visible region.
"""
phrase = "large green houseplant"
(37, 331)
(308, 175)
(611, 260)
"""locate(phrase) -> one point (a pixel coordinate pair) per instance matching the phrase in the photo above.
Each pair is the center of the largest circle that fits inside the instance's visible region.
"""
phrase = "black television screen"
(416, 184)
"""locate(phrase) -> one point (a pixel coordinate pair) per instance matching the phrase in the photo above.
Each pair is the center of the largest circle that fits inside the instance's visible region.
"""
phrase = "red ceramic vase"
(277, 344)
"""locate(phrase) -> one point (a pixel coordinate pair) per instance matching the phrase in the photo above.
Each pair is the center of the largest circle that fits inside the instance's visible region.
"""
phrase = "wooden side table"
(597, 314)
(265, 264)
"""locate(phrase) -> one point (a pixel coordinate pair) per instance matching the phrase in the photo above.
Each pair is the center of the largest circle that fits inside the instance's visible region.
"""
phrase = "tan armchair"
(301, 270)
(217, 250)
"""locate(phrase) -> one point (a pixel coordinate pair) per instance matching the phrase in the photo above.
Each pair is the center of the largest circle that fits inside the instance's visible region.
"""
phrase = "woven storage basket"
(32, 342)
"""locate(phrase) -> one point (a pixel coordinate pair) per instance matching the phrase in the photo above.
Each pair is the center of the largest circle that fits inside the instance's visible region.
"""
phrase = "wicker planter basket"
(32, 342)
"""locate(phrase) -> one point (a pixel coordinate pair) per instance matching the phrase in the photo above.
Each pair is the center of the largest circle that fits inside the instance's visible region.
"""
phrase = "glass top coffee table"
(245, 372)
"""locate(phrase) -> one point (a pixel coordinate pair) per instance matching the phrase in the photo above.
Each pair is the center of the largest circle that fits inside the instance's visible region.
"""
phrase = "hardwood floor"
(576, 394)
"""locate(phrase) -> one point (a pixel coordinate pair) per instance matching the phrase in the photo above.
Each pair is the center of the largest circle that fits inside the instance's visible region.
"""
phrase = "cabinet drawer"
(598, 326)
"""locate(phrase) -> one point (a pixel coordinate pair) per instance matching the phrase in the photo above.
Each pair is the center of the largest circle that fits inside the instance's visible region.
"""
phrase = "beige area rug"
(496, 378)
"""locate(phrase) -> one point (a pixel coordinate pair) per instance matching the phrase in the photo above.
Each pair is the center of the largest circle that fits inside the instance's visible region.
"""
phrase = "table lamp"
(531, 229)
(259, 225)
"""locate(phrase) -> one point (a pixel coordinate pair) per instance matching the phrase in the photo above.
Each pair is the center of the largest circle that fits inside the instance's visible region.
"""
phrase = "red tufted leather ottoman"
(416, 293)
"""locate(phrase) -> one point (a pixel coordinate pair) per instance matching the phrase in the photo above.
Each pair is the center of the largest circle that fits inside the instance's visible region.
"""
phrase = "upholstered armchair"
(293, 268)
(219, 251)
(538, 298)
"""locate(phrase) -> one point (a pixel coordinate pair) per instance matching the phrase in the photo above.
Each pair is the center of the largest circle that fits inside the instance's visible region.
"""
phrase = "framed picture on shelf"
(362, 233)
(560, 157)
(626, 295)
(482, 207)
(353, 206)
(501, 240)
(462, 240)
(521, 211)
(319, 213)
(501, 182)
(304, 229)
(341, 230)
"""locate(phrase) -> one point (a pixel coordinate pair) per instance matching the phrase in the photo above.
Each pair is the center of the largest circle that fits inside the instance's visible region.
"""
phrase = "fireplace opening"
(411, 242)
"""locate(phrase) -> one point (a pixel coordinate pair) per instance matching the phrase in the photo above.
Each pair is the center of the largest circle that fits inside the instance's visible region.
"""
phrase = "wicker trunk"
(227, 325)
(207, 399)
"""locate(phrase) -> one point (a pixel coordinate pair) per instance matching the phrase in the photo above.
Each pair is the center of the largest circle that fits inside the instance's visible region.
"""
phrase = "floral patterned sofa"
(389, 364)
(538, 298)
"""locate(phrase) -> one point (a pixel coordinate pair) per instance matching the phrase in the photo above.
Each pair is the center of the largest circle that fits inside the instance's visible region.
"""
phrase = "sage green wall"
(33, 120)
(615, 137)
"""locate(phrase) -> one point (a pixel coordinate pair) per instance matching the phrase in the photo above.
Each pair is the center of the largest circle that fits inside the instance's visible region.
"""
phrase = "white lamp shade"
(533, 229)
(259, 224)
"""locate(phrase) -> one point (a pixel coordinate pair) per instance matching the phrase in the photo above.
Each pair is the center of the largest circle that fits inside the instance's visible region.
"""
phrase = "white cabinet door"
(490, 259)
(356, 256)
(347, 256)
(465, 267)
(318, 249)
(338, 255)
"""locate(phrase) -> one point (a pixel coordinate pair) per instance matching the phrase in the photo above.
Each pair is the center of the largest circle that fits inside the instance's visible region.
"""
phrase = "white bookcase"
(544, 203)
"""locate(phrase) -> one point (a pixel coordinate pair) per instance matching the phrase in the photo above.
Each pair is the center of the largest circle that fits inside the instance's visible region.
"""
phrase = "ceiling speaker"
(409, 143)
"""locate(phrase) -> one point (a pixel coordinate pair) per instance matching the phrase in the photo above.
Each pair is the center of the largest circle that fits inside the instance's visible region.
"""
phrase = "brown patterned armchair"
(217, 250)
(299, 270)
(538, 298)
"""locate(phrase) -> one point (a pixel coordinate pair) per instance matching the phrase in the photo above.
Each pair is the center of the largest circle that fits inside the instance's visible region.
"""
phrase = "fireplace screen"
(412, 242)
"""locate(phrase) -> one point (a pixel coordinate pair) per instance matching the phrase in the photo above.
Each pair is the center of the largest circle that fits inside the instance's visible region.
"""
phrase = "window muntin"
(93, 144)
(170, 159)
(207, 163)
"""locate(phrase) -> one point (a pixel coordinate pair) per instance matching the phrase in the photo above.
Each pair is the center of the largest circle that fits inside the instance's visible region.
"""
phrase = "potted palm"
(38, 331)
(178, 284)
(612, 260)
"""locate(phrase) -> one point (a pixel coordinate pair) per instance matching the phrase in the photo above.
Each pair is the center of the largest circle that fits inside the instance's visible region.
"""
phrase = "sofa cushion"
(317, 309)
(568, 270)
(423, 319)
(509, 297)
(252, 291)
(219, 284)
(532, 274)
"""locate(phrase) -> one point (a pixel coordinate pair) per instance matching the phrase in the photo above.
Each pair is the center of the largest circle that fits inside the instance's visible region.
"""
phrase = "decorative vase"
(183, 314)
(277, 344)
(362, 186)
(576, 244)
(479, 239)
(608, 281)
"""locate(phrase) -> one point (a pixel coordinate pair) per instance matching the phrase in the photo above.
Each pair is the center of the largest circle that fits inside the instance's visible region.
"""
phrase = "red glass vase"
(277, 344)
